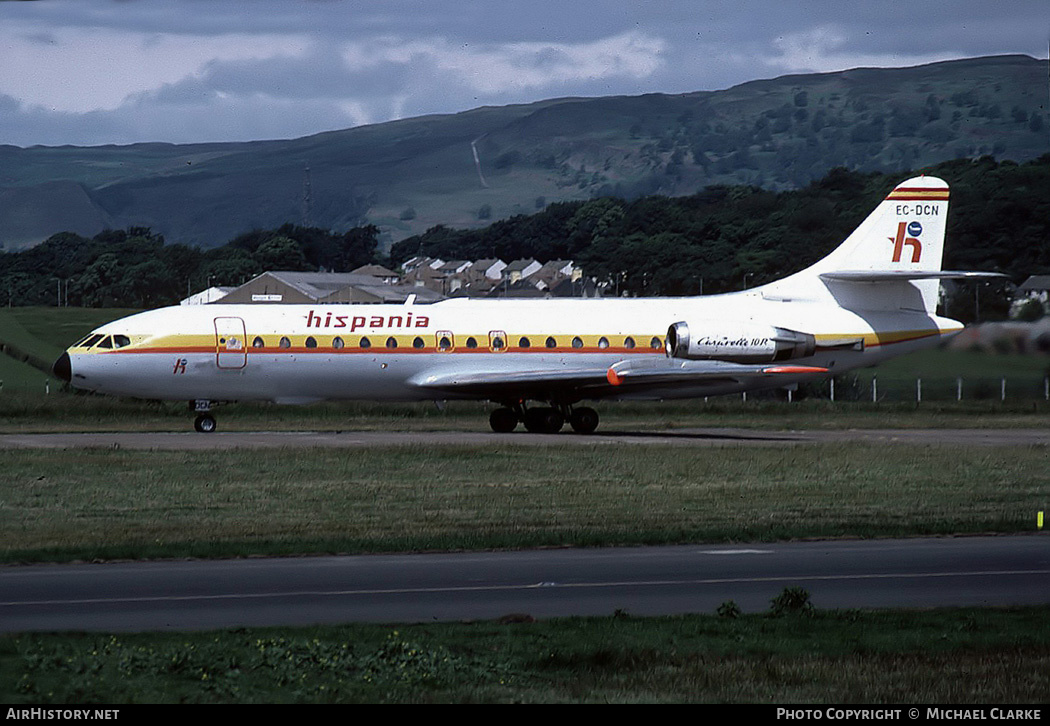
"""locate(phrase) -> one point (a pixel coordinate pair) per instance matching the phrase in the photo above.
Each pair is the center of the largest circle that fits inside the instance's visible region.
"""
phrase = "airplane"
(871, 298)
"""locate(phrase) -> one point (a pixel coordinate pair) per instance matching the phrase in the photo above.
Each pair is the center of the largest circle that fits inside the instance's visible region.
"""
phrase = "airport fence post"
(831, 380)
(958, 388)
(918, 390)
(1002, 390)
(874, 389)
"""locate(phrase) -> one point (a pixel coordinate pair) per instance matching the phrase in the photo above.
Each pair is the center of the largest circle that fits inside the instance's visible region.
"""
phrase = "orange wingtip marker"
(794, 369)
(613, 377)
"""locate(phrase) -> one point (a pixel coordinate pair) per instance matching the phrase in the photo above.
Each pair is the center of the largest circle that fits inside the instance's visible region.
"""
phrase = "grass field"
(105, 504)
(950, 656)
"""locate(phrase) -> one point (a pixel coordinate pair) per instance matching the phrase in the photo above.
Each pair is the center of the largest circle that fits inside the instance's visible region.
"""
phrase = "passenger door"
(231, 349)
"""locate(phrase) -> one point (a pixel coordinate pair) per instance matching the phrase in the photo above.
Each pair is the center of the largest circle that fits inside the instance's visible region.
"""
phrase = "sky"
(93, 72)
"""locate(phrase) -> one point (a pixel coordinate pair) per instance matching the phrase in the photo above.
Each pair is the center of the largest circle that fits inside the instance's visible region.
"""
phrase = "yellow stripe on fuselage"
(377, 342)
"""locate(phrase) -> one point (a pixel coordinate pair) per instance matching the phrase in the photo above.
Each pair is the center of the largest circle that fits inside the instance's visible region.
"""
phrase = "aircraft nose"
(62, 368)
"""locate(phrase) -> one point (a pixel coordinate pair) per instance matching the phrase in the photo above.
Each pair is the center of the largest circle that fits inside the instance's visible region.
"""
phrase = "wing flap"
(509, 380)
(686, 373)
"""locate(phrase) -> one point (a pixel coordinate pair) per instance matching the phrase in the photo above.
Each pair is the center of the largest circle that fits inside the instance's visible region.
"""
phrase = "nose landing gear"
(205, 422)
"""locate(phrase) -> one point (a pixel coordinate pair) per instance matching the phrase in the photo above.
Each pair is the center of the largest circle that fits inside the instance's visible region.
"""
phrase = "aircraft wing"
(674, 372)
(629, 374)
(510, 381)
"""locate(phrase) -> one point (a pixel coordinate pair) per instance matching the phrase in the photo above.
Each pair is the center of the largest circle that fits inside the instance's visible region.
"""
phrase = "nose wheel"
(205, 423)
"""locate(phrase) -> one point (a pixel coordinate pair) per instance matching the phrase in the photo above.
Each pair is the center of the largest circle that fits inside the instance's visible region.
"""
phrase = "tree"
(281, 253)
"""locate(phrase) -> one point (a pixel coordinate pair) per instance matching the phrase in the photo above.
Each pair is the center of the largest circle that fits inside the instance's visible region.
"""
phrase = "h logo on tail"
(914, 229)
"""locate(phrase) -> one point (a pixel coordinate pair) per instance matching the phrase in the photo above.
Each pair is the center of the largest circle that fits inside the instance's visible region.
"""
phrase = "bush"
(792, 601)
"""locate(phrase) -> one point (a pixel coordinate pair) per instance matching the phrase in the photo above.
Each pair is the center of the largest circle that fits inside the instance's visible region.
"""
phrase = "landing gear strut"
(543, 419)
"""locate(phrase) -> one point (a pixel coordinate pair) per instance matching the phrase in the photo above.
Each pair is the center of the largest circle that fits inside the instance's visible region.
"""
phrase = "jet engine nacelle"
(737, 342)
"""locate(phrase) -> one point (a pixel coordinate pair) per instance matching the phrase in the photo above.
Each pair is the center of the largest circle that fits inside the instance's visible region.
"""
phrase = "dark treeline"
(134, 268)
(720, 239)
(726, 238)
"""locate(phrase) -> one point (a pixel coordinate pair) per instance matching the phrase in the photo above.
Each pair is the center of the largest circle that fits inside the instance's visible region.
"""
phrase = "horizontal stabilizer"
(905, 275)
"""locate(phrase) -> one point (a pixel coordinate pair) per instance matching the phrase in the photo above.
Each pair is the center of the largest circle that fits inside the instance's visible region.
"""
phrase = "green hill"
(468, 169)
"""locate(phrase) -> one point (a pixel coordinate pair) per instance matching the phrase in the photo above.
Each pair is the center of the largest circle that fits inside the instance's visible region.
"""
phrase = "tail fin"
(891, 261)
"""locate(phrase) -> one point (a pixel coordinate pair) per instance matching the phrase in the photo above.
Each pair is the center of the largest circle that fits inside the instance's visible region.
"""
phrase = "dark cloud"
(210, 70)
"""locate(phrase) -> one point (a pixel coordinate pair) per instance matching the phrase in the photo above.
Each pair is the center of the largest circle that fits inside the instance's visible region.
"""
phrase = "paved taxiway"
(179, 595)
(190, 441)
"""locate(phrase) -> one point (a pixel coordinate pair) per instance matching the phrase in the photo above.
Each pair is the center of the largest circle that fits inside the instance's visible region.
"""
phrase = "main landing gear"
(543, 419)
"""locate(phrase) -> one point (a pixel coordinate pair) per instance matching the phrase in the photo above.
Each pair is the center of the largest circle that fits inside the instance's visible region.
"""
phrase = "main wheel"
(205, 423)
(584, 420)
(544, 420)
(503, 420)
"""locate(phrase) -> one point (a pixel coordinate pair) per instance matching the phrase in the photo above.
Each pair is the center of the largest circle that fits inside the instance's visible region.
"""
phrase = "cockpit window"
(120, 341)
(90, 340)
(106, 342)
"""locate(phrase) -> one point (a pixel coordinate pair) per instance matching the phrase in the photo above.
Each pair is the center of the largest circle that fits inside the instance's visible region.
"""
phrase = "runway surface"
(190, 441)
(185, 595)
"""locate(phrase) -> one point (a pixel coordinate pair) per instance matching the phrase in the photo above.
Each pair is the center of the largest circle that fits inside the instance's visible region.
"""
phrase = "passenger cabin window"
(391, 342)
(365, 343)
(577, 342)
(257, 342)
(311, 342)
(551, 342)
(444, 341)
(603, 342)
(417, 343)
(285, 343)
(524, 342)
(337, 342)
(497, 340)
(655, 343)
(472, 343)
(628, 343)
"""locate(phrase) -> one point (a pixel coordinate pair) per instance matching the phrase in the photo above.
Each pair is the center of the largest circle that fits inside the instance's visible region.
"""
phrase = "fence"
(872, 387)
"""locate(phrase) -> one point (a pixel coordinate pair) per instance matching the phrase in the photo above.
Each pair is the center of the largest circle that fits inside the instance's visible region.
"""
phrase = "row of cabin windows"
(445, 342)
(96, 340)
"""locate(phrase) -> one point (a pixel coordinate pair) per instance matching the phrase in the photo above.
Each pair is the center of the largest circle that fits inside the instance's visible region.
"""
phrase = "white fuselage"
(303, 353)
